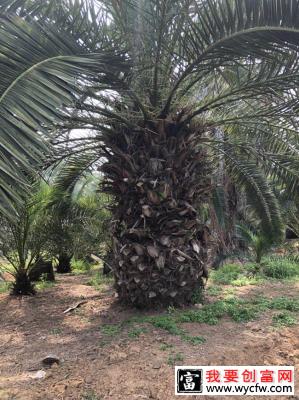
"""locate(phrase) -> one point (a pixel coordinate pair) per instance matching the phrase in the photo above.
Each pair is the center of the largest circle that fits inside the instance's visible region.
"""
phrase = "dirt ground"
(94, 365)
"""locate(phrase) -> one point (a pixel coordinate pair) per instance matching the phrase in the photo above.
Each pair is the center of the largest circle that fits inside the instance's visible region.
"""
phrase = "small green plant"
(91, 395)
(111, 330)
(283, 319)
(56, 331)
(136, 332)
(166, 346)
(195, 340)
(174, 359)
(165, 322)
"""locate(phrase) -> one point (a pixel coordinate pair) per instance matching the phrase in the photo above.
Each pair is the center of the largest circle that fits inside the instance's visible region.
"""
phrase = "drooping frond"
(259, 194)
(39, 73)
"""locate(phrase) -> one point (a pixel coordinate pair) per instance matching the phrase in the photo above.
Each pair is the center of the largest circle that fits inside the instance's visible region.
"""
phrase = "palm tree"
(22, 240)
(76, 222)
(154, 80)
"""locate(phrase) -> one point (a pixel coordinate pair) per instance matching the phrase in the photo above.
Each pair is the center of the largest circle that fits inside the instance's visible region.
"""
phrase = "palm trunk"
(22, 285)
(160, 181)
(64, 264)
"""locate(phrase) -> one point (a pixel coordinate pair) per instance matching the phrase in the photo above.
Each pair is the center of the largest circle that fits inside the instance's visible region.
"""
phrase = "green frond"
(39, 72)
(260, 196)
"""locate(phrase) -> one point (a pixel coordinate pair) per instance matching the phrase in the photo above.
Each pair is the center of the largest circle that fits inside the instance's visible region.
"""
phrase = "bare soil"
(94, 365)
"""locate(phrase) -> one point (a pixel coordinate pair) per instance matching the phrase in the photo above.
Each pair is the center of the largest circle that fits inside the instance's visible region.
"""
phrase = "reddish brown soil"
(94, 366)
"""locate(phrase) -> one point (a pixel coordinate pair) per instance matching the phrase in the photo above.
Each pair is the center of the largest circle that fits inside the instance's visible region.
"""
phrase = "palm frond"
(39, 72)
(260, 196)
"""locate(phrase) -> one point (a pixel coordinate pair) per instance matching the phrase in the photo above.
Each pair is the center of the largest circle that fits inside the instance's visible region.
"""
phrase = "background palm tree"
(154, 80)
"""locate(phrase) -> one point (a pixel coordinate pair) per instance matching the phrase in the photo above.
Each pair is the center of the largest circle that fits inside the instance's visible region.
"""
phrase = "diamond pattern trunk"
(159, 177)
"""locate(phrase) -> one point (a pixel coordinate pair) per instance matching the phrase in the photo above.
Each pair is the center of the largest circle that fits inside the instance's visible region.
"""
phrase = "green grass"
(247, 280)
(195, 340)
(111, 330)
(136, 332)
(285, 303)
(166, 346)
(226, 274)
(165, 322)
(209, 314)
(239, 310)
(214, 291)
(229, 292)
(98, 280)
(42, 285)
(283, 319)
(280, 268)
(80, 266)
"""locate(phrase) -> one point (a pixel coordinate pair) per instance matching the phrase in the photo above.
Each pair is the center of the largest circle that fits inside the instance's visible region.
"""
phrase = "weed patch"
(285, 303)
(136, 332)
(5, 287)
(195, 340)
(284, 319)
(166, 346)
(80, 266)
(165, 322)
(226, 274)
(42, 285)
(111, 330)
(98, 280)
(214, 291)
(280, 268)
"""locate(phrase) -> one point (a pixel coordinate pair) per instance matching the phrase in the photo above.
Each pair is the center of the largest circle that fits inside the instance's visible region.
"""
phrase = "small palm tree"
(154, 80)
(76, 222)
(22, 240)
